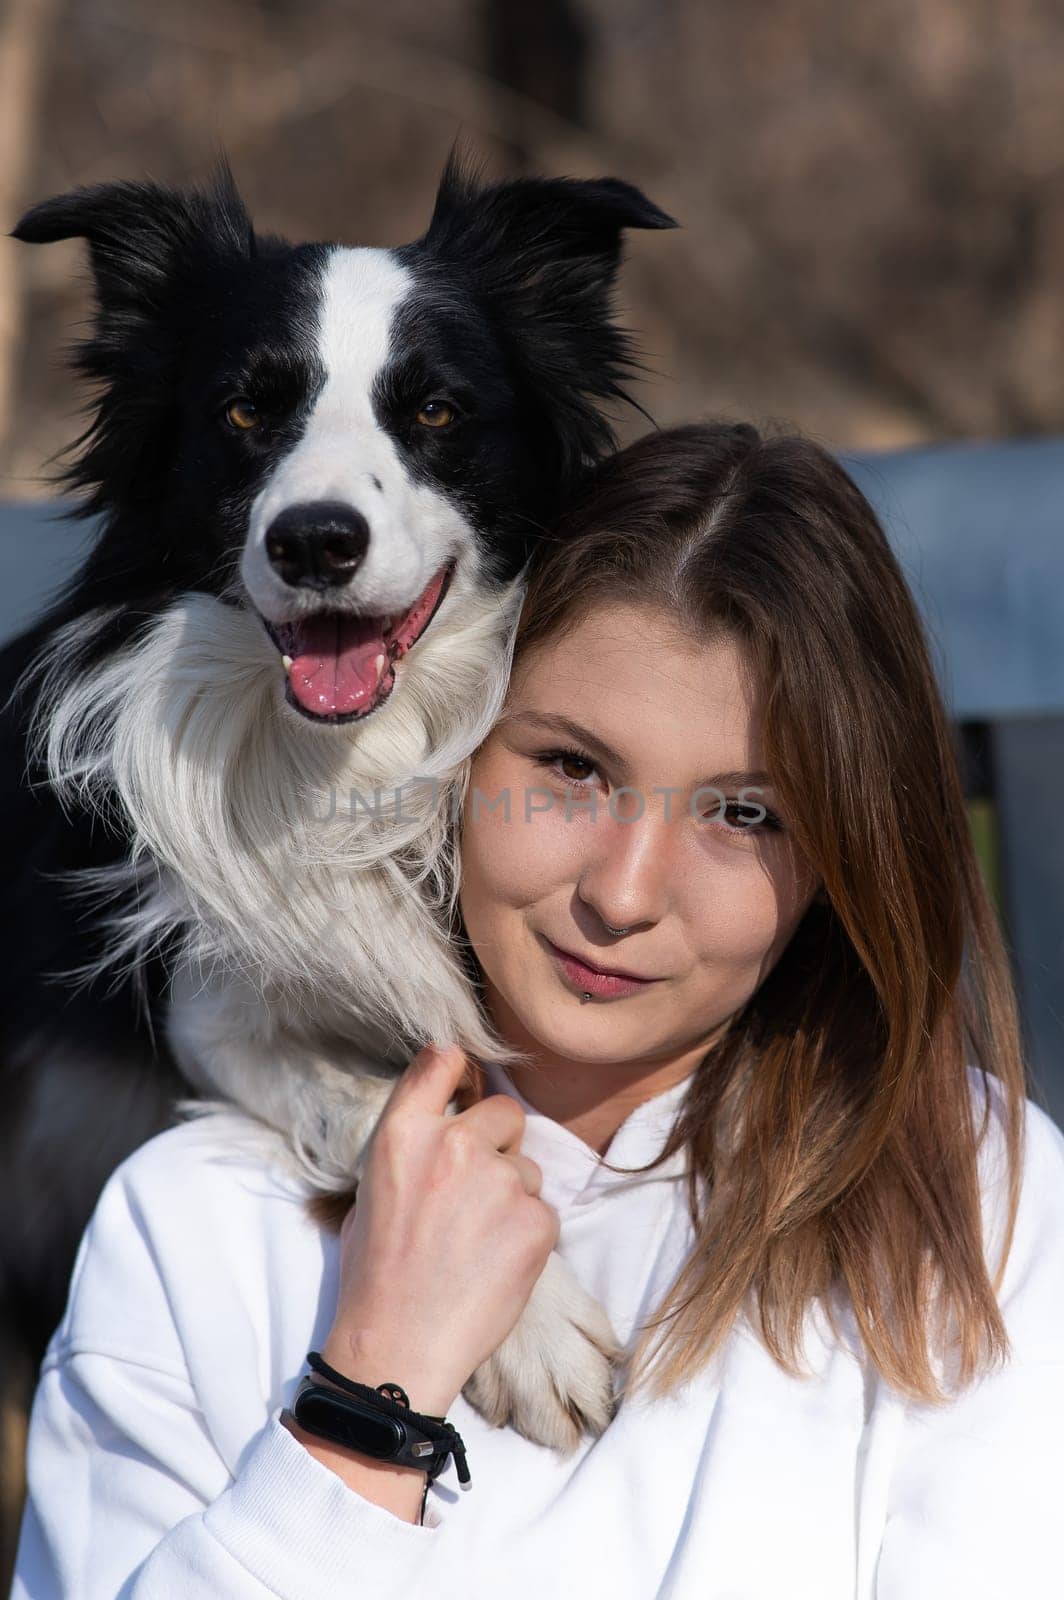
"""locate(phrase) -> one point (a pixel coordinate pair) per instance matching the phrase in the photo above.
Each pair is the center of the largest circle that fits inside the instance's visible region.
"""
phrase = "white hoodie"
(158, 1468)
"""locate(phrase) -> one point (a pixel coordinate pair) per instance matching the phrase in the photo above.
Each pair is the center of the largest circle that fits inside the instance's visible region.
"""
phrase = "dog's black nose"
(319, 545)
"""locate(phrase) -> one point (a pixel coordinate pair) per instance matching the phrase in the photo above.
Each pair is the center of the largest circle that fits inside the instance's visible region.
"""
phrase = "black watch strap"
(376, 1422)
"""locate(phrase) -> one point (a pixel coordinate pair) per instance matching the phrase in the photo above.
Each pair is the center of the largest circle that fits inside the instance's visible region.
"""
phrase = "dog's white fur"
(297, 927)
(307, 941)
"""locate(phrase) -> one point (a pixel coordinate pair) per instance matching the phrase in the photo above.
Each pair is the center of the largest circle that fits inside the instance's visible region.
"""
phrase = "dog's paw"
(551, 1379)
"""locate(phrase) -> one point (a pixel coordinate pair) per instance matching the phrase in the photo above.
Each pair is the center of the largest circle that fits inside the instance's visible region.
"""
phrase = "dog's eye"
(243, 415)
(435, 414)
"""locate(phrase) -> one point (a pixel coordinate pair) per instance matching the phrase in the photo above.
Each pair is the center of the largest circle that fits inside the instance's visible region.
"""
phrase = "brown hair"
(831, 1128)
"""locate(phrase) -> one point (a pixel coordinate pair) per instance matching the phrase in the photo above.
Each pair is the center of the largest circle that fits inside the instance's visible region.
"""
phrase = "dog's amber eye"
(435, 414)
(243, 415)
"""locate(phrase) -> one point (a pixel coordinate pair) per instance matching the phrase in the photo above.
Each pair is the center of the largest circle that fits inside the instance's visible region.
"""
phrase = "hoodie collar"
(572, 1171)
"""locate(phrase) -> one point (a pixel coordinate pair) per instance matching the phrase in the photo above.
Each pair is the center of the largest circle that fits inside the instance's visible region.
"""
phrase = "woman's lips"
(590, 980)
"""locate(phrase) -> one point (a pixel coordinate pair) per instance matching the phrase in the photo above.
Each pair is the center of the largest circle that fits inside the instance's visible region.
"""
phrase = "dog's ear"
(525, 227)
(543, 255)
(142, 236)
(150, 249)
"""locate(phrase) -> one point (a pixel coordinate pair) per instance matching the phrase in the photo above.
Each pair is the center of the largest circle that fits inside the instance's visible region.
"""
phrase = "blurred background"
(872, 246)
(870, 196)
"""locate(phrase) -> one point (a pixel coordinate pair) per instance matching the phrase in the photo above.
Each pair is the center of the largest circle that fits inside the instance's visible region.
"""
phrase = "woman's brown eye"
(435, 414)
(243, 415)
(576, 761)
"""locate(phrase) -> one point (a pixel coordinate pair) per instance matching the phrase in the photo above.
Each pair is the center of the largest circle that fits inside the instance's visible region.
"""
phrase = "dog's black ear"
(543, 255)
(532, 224)
(141, 236)
(151, 248)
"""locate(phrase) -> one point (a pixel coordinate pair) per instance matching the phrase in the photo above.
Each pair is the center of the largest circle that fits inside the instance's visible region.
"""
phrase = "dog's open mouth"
(341, 667)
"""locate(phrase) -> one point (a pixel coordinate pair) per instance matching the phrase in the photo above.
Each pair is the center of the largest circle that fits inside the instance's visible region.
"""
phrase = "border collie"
(318, 472)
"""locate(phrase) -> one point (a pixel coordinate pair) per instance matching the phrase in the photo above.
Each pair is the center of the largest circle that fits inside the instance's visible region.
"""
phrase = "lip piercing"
(616, 934)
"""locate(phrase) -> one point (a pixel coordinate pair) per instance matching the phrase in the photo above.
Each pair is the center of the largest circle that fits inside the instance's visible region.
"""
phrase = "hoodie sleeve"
(129, 1494)
(122, 1502)
(974, 1505)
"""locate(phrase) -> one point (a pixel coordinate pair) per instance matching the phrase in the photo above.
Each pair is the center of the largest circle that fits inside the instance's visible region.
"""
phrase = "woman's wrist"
(395, 1488)
(365, 1358)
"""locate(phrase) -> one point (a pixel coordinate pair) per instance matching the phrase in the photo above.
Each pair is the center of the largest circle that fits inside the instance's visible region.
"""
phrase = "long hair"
(832, 1135)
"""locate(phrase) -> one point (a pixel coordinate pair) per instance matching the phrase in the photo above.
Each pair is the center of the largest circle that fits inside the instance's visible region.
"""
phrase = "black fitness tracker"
(363, 1427)
(376, 1423)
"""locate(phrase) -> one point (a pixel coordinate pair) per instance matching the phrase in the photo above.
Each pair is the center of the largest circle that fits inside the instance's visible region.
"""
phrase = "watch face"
(344, 1419)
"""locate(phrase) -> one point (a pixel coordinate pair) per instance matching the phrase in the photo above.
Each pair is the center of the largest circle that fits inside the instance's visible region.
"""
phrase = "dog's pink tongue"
(337, 664)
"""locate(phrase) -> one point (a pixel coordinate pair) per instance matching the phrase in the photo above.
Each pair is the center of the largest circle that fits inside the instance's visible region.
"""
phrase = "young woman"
(767, 1097)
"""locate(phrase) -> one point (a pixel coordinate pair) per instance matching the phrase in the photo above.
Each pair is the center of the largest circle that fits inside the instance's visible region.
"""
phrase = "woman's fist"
(447, 1239)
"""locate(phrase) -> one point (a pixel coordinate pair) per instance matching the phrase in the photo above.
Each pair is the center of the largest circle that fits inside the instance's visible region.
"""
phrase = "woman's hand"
(446, 1242)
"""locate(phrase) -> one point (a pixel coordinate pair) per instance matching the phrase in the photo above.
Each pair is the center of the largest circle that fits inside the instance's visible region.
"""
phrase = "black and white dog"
(319, 472)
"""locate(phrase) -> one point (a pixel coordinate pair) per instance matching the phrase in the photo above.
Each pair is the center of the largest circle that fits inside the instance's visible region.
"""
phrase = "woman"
(719, 894)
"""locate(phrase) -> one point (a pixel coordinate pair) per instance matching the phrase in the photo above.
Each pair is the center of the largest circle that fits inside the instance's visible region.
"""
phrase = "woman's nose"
(625, 875)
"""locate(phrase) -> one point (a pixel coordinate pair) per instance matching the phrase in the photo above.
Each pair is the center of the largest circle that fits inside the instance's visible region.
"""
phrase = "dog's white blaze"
(346, 455)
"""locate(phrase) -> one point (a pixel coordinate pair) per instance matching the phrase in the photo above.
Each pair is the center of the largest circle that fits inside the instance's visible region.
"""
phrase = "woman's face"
(552, 852)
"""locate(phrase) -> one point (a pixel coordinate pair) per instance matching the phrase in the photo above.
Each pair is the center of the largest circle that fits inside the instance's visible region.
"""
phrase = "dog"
(318, 473)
